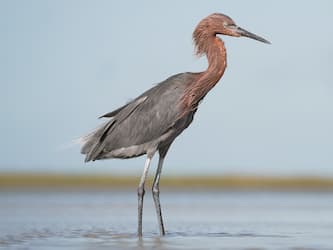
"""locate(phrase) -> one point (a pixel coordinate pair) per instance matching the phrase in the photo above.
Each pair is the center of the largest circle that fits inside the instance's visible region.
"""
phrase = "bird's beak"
(243, 32)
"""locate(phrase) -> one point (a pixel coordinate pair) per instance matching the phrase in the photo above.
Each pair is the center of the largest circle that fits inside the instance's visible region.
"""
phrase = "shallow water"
(194, 220)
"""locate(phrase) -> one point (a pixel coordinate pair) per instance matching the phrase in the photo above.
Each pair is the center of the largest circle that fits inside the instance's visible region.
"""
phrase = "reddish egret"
(153, 120)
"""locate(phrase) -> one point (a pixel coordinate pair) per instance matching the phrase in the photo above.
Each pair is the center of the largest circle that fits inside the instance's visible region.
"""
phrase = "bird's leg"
(156, 195)
(141, 193)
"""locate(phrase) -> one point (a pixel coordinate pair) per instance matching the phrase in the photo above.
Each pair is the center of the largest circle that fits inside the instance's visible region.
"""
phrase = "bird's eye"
(231, 26)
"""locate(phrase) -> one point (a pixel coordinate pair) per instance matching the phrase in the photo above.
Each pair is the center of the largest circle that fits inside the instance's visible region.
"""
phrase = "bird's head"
(220, 24)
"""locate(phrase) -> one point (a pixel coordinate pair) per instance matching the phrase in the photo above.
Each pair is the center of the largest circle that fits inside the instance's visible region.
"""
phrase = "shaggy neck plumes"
(213, 48)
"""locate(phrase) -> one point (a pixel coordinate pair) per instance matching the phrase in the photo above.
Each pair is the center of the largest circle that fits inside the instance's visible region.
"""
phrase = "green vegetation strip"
(51, 181)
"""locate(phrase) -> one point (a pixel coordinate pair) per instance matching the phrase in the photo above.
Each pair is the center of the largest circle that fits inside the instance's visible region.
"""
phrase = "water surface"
(193, 220)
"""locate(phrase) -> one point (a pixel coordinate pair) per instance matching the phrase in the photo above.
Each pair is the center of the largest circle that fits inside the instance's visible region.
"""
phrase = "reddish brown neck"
(217, 62)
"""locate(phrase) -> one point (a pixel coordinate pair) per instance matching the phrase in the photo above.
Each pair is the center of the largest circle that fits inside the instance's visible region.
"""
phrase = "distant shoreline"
(15, 181)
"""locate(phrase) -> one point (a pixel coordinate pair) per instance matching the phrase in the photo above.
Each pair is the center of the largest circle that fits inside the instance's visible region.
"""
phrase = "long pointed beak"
(248, 34)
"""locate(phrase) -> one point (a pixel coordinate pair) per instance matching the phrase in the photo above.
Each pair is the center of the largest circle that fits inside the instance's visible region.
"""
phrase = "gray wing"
(139, 122)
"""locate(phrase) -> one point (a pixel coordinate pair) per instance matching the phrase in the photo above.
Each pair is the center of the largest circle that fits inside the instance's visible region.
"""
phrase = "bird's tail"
(88, 141)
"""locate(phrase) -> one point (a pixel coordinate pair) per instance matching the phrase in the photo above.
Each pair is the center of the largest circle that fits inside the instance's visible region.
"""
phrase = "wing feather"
(144, 119)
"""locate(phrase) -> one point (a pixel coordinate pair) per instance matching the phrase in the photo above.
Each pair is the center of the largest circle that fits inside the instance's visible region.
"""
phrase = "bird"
(151, 122)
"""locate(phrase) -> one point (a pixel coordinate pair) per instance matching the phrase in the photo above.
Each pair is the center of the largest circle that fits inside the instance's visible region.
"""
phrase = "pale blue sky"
(64, 63)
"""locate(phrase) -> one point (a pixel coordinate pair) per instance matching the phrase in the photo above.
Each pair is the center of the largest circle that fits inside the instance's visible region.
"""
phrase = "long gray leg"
(156, 190)
(156, 195)
(141, 193)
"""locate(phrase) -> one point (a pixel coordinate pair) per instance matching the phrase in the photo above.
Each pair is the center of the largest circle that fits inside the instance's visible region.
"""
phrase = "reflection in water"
(202, 220)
